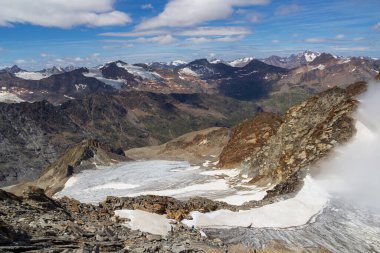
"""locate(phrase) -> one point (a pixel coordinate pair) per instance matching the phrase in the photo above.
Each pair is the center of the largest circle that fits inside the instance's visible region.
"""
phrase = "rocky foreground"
(37, 223)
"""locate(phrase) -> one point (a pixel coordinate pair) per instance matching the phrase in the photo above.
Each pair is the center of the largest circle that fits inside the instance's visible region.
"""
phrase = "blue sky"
(43, 33)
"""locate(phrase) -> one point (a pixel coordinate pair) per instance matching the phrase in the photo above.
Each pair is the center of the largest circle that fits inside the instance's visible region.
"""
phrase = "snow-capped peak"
(241, 62)
(177, 63)
(310, 56)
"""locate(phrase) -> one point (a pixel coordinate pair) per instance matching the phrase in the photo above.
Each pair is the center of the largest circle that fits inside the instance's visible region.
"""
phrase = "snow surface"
(188, 71)
(287, 213)
(146, 222)
(95, 73)
(177, 63)
(31, 75)
(310, 56)
(241, 62)
(162, 178)
(139, 71)
(7, 97)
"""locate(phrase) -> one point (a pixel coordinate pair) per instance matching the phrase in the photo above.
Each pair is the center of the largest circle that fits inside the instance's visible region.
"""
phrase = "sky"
(44, 33)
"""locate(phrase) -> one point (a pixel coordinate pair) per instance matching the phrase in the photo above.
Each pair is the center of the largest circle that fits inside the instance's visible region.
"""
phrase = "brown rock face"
(247, 138)
(309, 132)
(192, 147)
(81, 156)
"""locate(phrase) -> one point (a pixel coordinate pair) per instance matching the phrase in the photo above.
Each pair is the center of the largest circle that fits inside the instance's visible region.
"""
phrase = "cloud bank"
(180, 13)
(61, 13)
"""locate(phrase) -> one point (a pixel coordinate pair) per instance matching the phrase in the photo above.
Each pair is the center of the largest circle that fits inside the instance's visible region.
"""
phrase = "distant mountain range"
(243, 79)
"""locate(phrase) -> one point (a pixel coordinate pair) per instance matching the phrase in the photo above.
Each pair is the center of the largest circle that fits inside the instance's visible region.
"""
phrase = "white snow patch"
(177, 63)
(7, 97)
(229, 173)
(139, 71)
(66, 96)
(287, 213)
(146, 222)
(95, 73)
(244, 196)
(217, 185)
(31, 75)
(188, 71)
(80, 86)
(309, 56)
(115, 185)
(320, 67)
(241, 62)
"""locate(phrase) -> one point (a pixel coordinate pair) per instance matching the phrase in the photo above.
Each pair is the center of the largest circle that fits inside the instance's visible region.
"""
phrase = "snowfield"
(7, 97)
(31, 75)
(162, 178)
(287, 213)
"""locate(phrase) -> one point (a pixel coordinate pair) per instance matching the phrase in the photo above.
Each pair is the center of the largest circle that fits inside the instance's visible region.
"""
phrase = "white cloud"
(275, 41)
(179, 13)
(316, 40)
(215, 31)
(376, 26)
(288, 9)
(61, 13)
(193, 32)
(350, 49)
(134, 34)
(340, 37)
(200, 40)
(165, 39)
(147, 6)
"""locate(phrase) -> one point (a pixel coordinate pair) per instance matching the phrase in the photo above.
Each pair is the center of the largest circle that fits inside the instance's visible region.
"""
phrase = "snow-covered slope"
(31, 75)
(7, 97)
(139, 71)
(239, 63)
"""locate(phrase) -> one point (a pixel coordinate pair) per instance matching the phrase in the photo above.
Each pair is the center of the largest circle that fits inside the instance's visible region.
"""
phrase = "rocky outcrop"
(33, 135)
(247, 137)
(308, 133)
(85, 155)
(194, 147)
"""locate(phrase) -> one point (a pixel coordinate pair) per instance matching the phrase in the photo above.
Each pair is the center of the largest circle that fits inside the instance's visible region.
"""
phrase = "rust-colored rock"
(247, 138)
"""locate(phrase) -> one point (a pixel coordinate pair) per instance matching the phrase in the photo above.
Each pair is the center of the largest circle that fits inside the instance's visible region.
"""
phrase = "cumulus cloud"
(61, 13)
(288, 9)
(179, 13)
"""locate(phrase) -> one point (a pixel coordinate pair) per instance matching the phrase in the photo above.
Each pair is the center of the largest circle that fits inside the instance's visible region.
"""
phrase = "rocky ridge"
(308, 133)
